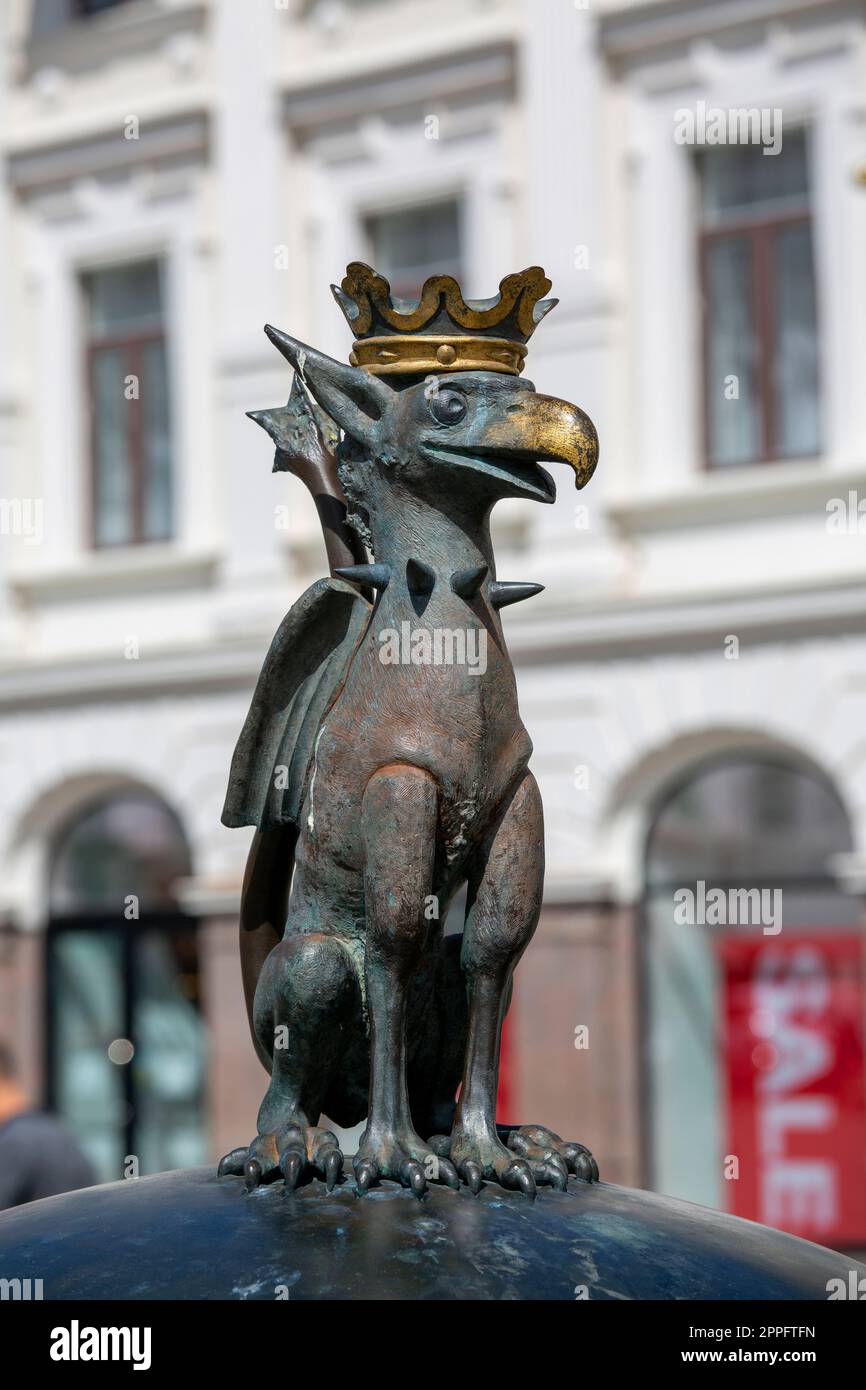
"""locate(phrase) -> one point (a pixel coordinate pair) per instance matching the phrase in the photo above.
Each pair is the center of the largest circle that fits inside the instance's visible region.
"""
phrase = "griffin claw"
(291, 1164)
(518, 1175)
(252, 1173)
(332, 1165)
(472, 1175)
(412, 1176)
(366, 1174)
(232, 1164)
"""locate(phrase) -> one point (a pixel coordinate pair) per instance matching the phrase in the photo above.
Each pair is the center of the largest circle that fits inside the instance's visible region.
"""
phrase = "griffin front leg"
(504, 904)
(399, 826)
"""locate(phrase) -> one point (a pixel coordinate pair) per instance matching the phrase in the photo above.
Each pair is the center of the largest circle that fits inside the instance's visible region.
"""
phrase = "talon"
(519, 1143)
(583, 1167)
(332, 1165)
(572, 1151)
(555, 1160)
(448, 1173)
(519, 1176)
(252, 1173)
(232, 1164)
(366, 1174)
(555, 1174)
(291, 1164)
(440, 1145)
(472, 1175)
(412, 1175)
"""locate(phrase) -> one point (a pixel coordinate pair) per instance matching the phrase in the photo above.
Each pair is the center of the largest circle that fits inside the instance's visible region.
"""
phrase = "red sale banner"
(795, 1083)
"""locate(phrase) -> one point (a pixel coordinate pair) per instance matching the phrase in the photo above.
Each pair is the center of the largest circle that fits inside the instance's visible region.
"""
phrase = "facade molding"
(184, 136)
(473, 74)
(633, 29)
(79, 45)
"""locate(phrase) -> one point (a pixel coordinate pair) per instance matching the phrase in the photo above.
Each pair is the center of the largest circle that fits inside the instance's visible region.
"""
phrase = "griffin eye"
(447, 407)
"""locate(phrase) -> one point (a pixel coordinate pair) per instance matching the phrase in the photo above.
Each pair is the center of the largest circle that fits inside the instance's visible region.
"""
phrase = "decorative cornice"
(334, 99)
(84, 43)
(627, 31)
(57, 163)
(610, 629)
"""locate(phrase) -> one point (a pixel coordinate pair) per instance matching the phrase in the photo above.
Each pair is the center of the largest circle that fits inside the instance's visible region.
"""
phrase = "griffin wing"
(302, 675)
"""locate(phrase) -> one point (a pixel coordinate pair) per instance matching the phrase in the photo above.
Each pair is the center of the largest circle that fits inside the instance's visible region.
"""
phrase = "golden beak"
(548, 430)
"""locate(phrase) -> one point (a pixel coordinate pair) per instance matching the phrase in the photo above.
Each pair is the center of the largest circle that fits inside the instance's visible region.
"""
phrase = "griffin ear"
(354, 399)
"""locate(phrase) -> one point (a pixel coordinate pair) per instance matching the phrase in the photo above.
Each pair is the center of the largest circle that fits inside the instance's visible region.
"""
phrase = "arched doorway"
(124, 1042)
(755, 1095)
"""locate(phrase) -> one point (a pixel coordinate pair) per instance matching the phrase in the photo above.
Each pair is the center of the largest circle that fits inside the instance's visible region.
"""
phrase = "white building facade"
(176, 174)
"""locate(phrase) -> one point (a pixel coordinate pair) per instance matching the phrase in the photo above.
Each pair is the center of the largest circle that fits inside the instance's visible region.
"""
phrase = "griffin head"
(478, 434)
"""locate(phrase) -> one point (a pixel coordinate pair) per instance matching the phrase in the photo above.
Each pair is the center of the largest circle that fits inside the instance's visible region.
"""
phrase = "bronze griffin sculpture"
(383, 761)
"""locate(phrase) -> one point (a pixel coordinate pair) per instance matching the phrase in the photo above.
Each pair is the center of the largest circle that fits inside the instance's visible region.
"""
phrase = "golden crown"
(442, 331)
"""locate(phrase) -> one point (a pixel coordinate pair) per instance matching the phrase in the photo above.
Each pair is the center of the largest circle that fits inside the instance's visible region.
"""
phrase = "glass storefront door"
(755, 1081)
(124, 1034)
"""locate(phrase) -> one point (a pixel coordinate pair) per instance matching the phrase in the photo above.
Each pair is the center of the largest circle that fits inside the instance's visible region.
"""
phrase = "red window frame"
(760, 234)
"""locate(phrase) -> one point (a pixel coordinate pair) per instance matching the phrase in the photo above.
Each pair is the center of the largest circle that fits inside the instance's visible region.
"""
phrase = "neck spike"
(376, 576)
(420, 578)
(466, 583)
(501, 595)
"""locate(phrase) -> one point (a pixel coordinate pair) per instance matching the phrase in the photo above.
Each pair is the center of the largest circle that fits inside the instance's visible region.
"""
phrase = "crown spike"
(348, 305)
(543, 307)
(501, 595)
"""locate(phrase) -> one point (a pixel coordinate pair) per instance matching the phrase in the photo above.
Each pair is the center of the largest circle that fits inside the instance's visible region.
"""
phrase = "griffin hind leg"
(307, 991)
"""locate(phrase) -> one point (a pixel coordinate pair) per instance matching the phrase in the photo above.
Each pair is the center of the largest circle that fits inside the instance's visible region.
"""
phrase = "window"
(129, 405)
(86, 7)
(761, 386)
(408, 245)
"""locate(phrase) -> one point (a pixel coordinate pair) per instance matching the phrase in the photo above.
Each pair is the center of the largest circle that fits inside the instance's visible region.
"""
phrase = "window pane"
(795, 360)
(157, 501)
(409, 245)
(88, 1003)
(130, 844)
(734, 421)
(131, 436)
(169, 1062)
(113, 492)
(740, 180)
(748, 821)
(124, 300)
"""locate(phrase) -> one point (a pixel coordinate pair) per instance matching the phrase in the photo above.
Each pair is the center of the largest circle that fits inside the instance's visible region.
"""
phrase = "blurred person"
(38, 1155)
